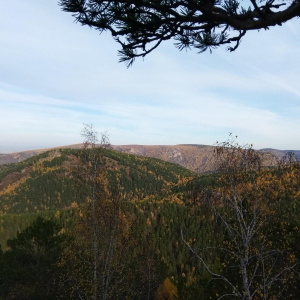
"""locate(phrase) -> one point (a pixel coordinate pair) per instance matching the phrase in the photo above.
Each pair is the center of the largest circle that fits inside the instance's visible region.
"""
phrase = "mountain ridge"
(195, 157)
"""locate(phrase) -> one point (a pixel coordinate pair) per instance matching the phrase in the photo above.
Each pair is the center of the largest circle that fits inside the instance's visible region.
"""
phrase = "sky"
(56, 75)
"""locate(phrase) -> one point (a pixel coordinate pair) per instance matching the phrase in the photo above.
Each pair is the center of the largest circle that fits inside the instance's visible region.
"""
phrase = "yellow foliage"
(57, 214)
(39, 167)
(63, 230)
(11, 187)
(166, 291)
(74, 204)
(148, 222)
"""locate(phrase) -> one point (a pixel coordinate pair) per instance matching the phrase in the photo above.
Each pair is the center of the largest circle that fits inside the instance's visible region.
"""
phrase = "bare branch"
(208, 268)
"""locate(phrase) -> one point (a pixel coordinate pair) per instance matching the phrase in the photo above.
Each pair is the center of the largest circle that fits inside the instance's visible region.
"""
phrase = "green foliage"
(28, 267)
(155, 201)
(41, 192)
(18, 167)
(11, 224)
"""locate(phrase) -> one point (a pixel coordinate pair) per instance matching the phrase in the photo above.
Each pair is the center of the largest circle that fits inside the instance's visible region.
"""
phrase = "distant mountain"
(9, 158)
(281, 153)
(197, 158)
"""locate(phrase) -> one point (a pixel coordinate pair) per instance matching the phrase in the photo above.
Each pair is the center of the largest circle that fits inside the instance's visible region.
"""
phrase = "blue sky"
(56, 75)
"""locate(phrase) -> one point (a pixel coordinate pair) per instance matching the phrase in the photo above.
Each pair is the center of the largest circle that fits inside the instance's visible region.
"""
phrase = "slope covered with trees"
(130, 227)
(56, 181)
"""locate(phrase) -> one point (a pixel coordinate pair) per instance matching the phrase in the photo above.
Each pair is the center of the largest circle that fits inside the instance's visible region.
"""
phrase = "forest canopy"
(121, 226)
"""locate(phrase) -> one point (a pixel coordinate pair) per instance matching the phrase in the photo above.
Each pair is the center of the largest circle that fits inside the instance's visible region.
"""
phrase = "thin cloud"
(56, 75)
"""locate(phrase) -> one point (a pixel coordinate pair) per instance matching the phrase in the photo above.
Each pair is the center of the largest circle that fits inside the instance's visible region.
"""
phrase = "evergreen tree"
(141, 26)
(29, 266)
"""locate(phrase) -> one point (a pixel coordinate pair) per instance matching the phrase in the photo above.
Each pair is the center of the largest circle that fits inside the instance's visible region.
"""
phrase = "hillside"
(197, 158)
(57, 180)
(281, 153)
(9, 158)
(56, 184)
(149, 216)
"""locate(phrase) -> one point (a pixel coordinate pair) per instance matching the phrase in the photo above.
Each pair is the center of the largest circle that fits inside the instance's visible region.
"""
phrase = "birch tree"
(103, 259)
(94, 265)
(257, 262)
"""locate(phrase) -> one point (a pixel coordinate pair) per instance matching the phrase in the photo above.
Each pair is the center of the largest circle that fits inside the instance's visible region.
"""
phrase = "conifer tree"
(140, 26)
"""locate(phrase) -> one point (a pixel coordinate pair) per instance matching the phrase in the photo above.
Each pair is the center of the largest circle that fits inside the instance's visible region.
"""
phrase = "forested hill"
(197, 158)
(56, 180)
(157, 222)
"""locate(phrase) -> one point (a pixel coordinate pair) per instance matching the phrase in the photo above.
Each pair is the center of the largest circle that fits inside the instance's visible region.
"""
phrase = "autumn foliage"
(139, 228)
(255, 209)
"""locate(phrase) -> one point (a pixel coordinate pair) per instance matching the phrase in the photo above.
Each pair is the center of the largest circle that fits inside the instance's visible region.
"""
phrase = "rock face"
(198, 158)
